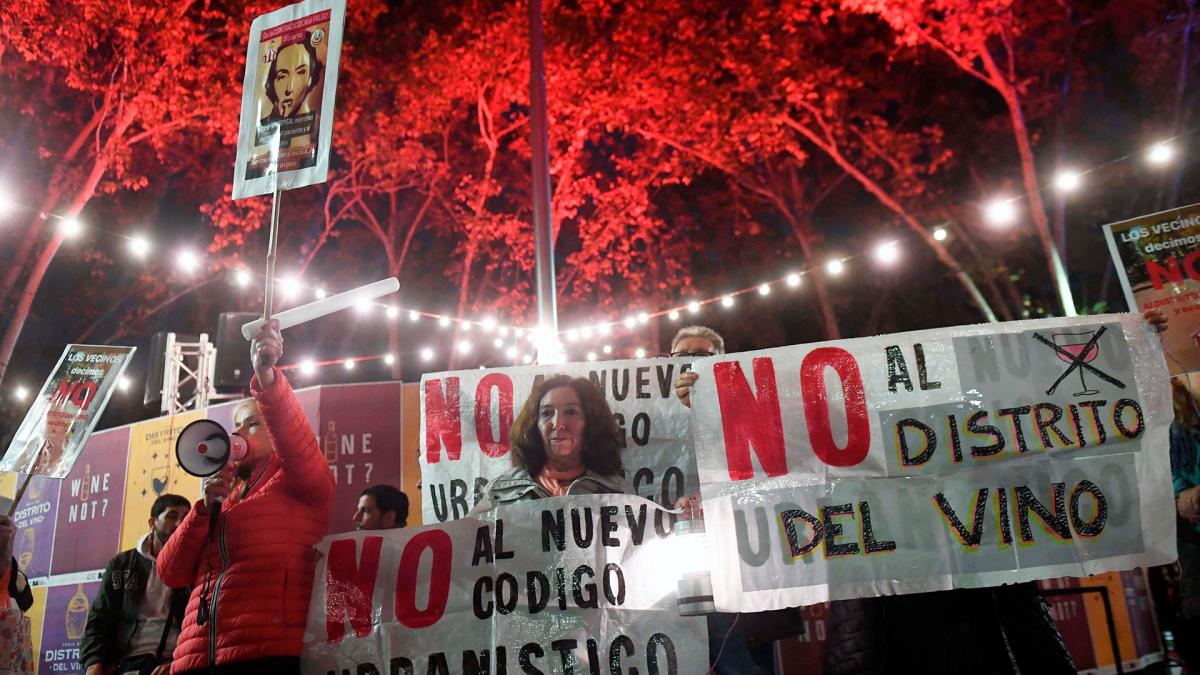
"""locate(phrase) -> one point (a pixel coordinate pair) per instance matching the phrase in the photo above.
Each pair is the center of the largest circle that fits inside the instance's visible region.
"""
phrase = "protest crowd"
(1018, 496)
(223, 585)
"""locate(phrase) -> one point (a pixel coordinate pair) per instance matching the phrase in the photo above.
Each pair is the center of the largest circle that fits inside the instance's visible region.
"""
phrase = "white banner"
(959, 457)
(286, 125)
(466, 417)
(65, 411)
(555, 586)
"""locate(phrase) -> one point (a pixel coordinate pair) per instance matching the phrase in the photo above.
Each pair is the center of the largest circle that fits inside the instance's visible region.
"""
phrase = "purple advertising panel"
(89, 505)
(62, 626)
(35, 519)
(360, 437)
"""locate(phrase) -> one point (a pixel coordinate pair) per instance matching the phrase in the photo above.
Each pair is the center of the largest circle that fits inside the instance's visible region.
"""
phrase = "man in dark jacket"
(135, 619)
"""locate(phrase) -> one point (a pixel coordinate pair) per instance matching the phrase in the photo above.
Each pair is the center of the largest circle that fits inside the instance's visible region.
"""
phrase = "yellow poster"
(152, 471)
(8, 484)
(36, 615)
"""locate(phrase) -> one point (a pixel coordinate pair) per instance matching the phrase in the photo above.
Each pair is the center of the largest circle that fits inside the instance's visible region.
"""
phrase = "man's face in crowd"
(167, 522)
(694, 346)
(369, 517)
(292, 72)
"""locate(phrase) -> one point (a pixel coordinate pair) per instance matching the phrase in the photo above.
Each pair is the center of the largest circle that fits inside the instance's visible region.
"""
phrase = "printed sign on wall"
(89, 505)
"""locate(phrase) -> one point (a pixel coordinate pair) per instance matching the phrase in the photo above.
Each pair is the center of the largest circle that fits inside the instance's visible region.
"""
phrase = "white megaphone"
(204, 447)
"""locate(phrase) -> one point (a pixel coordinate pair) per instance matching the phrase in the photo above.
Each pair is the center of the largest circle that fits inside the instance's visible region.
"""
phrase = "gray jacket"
(517, 485)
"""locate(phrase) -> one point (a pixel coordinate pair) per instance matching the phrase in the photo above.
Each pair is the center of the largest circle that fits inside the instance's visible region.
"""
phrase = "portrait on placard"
(288, 97)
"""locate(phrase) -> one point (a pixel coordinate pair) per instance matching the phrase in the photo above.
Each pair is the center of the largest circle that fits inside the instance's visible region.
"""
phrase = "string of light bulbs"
(998, 211)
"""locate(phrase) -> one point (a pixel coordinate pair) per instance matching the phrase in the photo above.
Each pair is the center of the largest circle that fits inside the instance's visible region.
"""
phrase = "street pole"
(543, 229)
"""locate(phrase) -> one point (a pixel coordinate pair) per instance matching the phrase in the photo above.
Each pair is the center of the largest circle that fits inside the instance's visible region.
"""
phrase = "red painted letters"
(816, 406)
(750, 419)
(443, 423)
(488, 443)
(350, 586)
(442, 547)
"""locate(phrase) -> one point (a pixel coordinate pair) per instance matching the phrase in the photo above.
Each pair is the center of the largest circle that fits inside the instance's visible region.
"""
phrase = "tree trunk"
(463, 287)
(1037, 209)
(890, 202)
(828, 318)
(34, 281)
(54, 190)
(25, 301)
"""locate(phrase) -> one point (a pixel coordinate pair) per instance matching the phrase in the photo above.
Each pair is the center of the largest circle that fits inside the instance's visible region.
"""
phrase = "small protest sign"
(959, 457)
(288, 98)
(66, 410)
(1156, 258)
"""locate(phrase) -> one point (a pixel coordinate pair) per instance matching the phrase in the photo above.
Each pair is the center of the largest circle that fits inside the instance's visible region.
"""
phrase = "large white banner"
(559, 586)
(958, 457)
(466, 417)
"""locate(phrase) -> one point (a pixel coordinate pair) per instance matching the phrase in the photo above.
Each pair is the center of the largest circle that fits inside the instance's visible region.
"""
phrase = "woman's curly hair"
(602, 440)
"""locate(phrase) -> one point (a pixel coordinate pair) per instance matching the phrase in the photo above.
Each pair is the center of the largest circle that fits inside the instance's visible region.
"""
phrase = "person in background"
(693, 342)
(252, 567)
(738, 644)
(13, 581)
(564, 442)
(381, 507)
(135, 619)
(1185, 474)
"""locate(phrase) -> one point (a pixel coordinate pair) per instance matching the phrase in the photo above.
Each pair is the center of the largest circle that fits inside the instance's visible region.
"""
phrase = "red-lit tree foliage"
(109, 94)
(694, 147)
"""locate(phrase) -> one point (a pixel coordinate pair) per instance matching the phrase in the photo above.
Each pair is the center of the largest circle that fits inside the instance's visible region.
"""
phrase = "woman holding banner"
(564, 442)
(252, 570)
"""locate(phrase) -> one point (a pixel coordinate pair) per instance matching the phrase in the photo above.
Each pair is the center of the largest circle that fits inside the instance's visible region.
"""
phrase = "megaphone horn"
(204, 447)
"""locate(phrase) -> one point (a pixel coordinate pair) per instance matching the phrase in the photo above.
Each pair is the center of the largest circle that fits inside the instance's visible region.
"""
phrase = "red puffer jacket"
(260, 570)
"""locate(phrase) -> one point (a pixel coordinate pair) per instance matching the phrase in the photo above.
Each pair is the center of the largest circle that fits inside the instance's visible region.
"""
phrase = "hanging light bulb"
(139, 246)
(1000, 211)
(887, 253)
(1160, 153)
(1068, 180)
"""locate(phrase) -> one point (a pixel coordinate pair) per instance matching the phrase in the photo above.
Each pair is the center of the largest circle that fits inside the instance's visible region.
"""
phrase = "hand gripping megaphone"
(204, 447)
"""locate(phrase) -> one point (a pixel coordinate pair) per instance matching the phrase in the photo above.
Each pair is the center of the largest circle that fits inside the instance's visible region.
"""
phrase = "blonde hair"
(702, 332)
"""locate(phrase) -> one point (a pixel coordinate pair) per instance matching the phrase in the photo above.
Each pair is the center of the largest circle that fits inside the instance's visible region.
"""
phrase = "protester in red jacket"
(253, 572)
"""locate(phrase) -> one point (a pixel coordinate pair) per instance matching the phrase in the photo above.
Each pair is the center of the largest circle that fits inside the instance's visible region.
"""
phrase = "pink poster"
(90, 501)
(359, 434)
